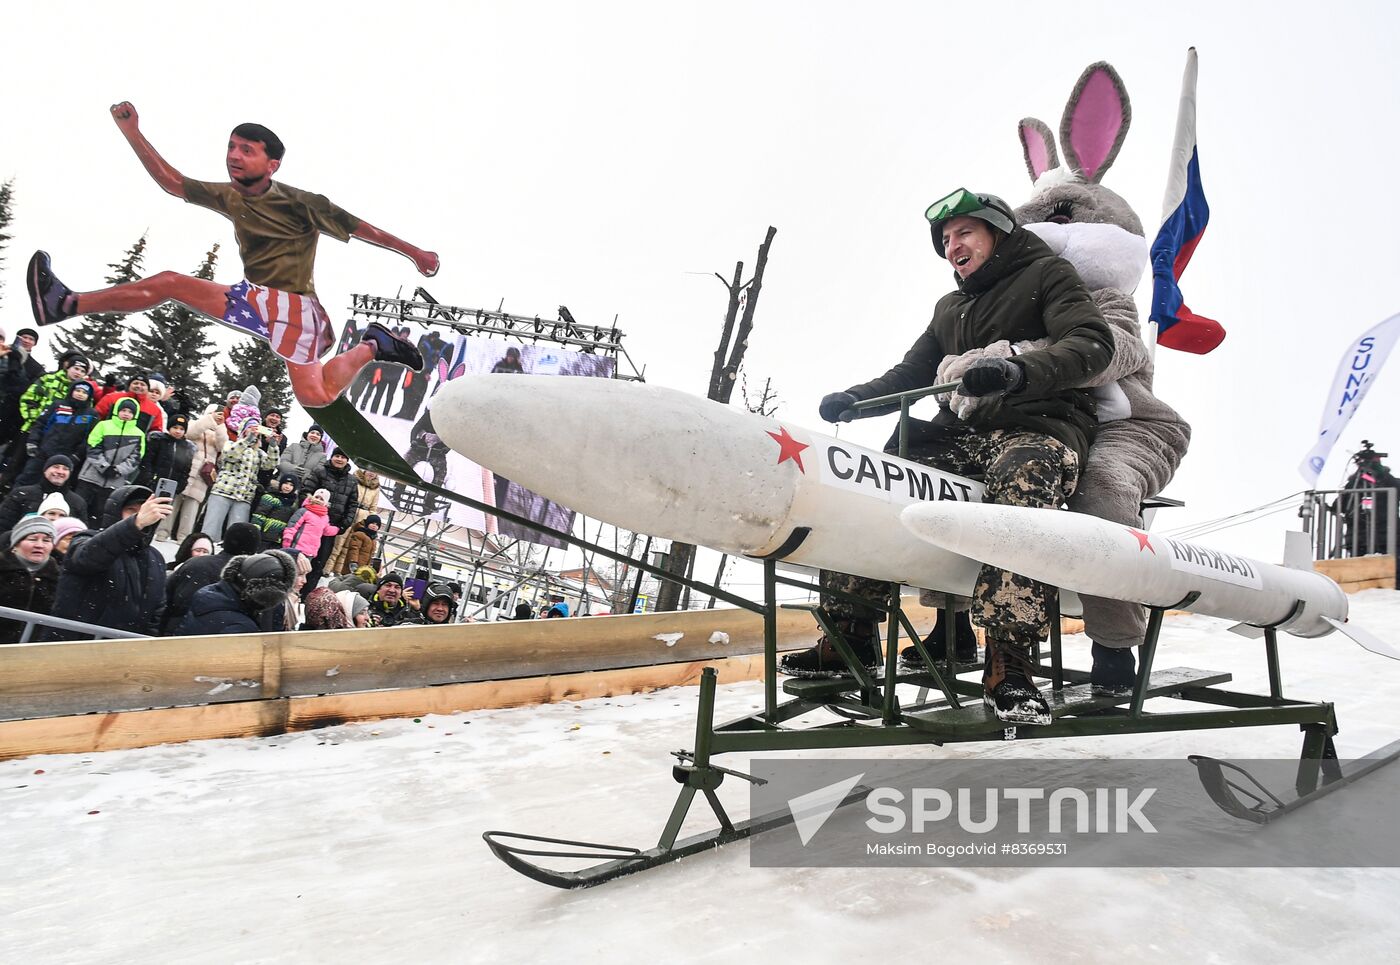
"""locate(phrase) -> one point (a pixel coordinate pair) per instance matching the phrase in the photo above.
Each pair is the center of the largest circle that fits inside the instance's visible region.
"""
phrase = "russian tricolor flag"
(1184, 218)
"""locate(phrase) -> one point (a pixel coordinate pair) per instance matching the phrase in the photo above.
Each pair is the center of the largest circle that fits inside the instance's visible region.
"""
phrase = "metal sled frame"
(869, 710)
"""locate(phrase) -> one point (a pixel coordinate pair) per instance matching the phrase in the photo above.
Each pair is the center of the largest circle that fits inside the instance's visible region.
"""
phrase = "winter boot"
(388, 347)
(964, 651)
(48, 296)
(1008, 687)
(1114, 672)
(824, 660)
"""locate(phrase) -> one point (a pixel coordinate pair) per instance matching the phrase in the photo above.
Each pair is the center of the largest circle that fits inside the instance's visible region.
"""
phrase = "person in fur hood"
(309, 524)
(248, 586)
(362, 540)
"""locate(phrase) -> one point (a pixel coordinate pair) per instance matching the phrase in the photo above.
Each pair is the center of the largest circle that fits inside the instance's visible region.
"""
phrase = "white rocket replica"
(674, 465)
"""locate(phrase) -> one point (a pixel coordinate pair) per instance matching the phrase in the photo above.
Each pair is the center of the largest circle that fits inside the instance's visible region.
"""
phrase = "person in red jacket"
(150, 417)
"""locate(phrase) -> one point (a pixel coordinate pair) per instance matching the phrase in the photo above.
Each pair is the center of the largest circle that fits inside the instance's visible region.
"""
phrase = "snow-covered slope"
(362, 844)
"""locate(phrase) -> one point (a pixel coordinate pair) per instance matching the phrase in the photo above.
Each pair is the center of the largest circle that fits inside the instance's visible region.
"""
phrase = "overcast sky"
(611, 156)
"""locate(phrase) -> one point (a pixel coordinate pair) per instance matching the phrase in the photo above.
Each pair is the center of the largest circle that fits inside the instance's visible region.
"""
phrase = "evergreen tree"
(176, 344)
(7, 196)
(99, 337)
(254, 363)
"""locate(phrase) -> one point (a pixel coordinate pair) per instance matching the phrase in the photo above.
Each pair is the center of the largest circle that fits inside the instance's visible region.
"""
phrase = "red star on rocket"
(789, 448)
(1144, 543)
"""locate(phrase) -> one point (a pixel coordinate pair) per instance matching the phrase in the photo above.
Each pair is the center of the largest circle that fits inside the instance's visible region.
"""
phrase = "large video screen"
(396, 401)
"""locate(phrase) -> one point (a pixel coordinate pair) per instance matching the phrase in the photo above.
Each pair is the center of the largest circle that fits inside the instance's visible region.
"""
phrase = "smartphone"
(166, 488)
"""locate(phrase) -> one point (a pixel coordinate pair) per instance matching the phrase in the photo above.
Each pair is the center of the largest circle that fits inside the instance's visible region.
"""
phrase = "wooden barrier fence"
(99, 695)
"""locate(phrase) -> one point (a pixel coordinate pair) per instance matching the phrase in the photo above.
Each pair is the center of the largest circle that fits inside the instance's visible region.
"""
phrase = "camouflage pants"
(1019, 468)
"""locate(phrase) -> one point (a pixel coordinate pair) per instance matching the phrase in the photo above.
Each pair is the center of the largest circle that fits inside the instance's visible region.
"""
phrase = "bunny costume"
(1140, 439)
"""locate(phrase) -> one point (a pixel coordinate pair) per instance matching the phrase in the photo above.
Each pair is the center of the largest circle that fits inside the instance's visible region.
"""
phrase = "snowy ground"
(362, 844)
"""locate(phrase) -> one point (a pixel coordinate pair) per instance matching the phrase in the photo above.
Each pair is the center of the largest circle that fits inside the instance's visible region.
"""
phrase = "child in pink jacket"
(309, 524)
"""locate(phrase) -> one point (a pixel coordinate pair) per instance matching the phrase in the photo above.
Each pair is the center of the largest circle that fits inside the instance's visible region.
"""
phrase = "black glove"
(991, 376)
(834, 404)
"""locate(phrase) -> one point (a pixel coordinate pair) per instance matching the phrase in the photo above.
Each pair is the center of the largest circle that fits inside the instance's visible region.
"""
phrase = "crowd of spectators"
(274, 533)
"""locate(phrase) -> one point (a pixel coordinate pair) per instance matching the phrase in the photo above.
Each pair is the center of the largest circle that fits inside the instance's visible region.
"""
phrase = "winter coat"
(188, 579)
(166, 458)
(22, 590)
(151, 416)
(112, 578)
(18, 371)
(343, 489)
(23, 500)
(368, 495)
(216, 608)
(209, 439)
(360, 548)
(1022, 293)
(115, 448)
(238, 469)
(63, 429)
(306, 528)
(301, 458)
(271, 513)
(43, 393)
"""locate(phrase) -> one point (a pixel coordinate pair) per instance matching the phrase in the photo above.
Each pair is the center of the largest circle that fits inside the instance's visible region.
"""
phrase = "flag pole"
(1182, 145)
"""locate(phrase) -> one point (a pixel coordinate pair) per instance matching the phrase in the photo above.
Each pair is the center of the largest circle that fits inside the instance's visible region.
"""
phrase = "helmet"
(963, 203)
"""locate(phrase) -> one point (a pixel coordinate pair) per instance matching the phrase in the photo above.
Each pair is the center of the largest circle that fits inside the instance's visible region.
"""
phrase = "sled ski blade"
(1364, 638)
(624, 861)
(1239, 794)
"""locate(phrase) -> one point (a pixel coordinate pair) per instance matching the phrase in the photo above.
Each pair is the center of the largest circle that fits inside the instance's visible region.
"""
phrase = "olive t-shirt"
(277, 230)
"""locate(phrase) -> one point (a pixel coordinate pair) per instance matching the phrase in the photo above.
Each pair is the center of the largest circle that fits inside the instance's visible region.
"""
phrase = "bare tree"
(729, 356)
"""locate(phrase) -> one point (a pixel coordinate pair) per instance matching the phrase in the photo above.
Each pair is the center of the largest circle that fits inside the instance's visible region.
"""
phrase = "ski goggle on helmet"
(962, 202)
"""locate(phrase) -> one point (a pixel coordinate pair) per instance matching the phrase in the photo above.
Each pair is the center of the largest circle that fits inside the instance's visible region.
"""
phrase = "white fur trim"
(1055, 176)
(1105, 255)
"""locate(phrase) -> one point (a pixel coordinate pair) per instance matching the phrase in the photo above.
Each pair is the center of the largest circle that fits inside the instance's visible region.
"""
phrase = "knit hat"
(261, 579)
(337, 451)
(28, 526)
(66, 525)
(241, 538)
(252, 395)
(30, 332)
(156, 382)
(80, 385)
(181, 420)
(373, 520)
(53, 501)
(365, 573)
(69, 359)
(125, 404)
(288, 477)
(314, 428)
(390, 578)
(322, 495)
(138, 378)
(59, 460)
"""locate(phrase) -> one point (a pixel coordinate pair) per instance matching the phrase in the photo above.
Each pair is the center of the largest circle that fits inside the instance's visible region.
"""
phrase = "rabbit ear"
(1095, 122)
(1038, 146)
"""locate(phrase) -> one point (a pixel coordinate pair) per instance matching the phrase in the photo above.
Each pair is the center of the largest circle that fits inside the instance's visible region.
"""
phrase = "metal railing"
(1343, 523)
(30, 619)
